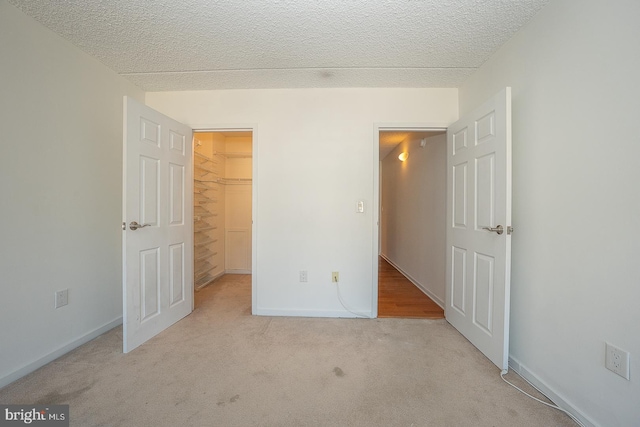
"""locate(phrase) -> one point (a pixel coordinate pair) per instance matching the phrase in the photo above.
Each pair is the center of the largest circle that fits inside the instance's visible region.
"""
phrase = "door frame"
(377, 128)
(253, 128)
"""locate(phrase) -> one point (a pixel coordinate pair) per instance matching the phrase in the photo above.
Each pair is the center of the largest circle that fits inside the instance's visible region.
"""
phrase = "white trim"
(307, 313)
(412, 127)
(549, 392)
(417, 284)
(375, 224)
(61, 351)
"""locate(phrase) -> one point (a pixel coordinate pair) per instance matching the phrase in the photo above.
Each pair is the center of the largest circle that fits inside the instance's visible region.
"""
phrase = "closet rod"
(236, 154)
(224, 181)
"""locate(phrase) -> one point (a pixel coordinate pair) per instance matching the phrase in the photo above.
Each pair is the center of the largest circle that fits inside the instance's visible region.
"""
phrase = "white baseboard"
(543, 388)
(307, 313)
(30, 367)
(418, 285)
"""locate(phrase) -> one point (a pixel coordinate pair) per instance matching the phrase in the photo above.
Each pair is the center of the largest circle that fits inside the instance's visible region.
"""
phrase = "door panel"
(157, 194)
(149, 186)
(479, 197)
(176, 273)
(460, 195)
(485, 184)
(483, 288)
(459, 279)
(176, 195)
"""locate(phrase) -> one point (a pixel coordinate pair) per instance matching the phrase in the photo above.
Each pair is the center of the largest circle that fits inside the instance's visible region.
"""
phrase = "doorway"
(222, 204)
(412, 223)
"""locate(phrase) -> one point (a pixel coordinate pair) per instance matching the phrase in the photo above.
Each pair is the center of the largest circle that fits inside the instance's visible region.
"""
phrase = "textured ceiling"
(231, 44)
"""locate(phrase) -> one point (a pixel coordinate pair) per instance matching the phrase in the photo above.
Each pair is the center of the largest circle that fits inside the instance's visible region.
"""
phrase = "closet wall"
(222, 205)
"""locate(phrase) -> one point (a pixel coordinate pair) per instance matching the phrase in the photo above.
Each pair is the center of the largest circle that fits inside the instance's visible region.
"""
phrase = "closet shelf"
(204, 281)
(203, 193)
(208, 198)
(203, 185)
(202, 196)
(203, 271)
(205, 242)
(237, 181)
(205, 255)
(232, 154)
(205, 202)
(206, 169)
(205, 158)
(208, 181)
(225, 181)
(203, 190)
(199, 217)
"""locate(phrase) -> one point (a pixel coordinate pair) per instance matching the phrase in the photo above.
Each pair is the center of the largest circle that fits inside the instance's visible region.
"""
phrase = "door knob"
(134, 225)
(497, 229)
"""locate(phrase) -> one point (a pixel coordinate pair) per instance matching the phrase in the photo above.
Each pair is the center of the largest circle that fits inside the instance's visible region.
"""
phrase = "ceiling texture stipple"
(245, 44)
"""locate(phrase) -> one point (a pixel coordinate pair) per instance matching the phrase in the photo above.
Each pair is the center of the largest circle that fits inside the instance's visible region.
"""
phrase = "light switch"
(360, 206)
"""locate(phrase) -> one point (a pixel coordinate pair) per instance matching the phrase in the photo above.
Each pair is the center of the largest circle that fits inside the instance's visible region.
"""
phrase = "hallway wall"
(413, 213)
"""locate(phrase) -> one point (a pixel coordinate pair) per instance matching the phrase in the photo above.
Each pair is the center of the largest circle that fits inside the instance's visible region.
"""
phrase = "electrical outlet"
(62, 298)
(335, 277)
(303, 275)
(617, 360)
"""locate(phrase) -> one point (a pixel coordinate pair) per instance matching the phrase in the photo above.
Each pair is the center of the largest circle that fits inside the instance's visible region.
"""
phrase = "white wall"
(315, 159)
(414, 213)
(60, 194)
(576, 277)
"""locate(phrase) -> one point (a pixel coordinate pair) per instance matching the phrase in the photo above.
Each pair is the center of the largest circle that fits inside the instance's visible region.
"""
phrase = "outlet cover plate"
(617, 360)
(62, 298)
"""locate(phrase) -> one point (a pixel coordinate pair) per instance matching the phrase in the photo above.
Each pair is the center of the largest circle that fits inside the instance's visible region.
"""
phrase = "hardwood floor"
(398, 297)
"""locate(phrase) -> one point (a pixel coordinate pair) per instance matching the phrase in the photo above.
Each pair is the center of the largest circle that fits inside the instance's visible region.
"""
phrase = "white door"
(478, 206)
(157, 195)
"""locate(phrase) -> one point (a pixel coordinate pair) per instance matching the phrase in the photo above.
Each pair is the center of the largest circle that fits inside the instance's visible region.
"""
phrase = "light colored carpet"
(221, 366)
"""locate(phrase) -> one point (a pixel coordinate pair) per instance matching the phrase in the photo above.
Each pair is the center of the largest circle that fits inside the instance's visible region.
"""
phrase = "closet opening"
(222, 197)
